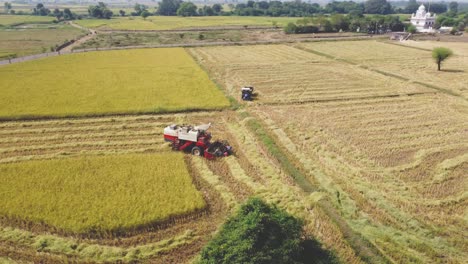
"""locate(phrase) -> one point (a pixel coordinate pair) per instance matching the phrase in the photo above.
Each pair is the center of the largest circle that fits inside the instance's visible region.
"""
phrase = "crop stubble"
(414, 64)
(283, 74)
(390, 152)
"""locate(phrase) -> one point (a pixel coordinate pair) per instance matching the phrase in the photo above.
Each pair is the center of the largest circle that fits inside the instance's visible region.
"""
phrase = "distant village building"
(422, 20)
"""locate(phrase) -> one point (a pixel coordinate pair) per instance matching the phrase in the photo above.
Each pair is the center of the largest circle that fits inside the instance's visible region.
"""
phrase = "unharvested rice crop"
(284, 74)
(129, 81)
(167, 22)
(413, 64)
(8, 20)
(98, 193)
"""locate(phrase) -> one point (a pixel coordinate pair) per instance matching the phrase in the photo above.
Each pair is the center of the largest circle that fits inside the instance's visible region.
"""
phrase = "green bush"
(411, 29)
(258, 233)
(290, 28)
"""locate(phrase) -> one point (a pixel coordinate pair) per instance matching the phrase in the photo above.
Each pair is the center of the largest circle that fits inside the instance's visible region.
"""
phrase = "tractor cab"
(247, 93)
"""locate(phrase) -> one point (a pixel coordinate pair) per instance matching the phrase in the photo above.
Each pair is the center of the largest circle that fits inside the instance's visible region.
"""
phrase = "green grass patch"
(9, 20)
(110, 82)
(163, 37)
(175, 22)
(98, 194)
(35, 38)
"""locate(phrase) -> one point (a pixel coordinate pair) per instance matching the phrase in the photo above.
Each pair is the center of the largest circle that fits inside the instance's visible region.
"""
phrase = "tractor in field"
(247, 93)
(196, 140)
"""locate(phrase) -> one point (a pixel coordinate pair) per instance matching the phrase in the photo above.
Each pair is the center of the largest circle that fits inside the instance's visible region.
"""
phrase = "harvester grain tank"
(196, 140)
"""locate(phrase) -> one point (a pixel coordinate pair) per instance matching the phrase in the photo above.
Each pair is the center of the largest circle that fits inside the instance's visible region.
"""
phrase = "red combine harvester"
(196, 140)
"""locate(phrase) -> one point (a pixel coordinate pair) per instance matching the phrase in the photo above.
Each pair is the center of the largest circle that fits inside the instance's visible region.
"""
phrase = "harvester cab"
(247, 93)
(196, 140)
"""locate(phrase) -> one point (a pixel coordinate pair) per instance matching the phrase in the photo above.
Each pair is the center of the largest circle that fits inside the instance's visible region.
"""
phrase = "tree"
(57, 13)
(440, 54)
(187, 9)
(100, 11)
(411, 7)
(139, 9)
(290, 28)
(411, 29)
(107, 14)
(438, 8)
(377, 7)
(122, 12)
(168, 7)
(217, 8)
(7, 6)
(208, 11)
(68, 15)
(453, 7)
(145, 14)
(258, 233)
(40, 10)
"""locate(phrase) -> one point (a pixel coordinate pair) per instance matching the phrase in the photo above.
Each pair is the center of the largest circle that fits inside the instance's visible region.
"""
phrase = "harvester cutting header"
(196, 140)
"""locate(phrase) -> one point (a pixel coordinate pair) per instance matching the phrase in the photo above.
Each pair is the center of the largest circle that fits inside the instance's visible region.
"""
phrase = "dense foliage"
(100, 11)
(335, 23)
(259, 233)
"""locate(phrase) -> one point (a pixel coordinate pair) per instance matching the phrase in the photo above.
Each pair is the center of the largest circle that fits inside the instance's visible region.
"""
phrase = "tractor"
(196, 140)
(247, 93)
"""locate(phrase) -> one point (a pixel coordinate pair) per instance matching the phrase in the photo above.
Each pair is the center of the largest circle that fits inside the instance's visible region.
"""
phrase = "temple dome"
(422, 8)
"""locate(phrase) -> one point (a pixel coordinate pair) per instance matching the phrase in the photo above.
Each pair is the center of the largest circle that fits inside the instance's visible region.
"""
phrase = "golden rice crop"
(128, 81)
(99, 193)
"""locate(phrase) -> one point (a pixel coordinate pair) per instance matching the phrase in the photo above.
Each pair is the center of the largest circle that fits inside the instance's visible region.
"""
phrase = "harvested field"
(91, 194)
(283, 74)
(413, 64)
(393, 166)
(459, 48)
(111, 82)
(387, 151)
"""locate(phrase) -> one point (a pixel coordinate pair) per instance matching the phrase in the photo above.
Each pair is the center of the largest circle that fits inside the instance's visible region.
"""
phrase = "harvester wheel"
(197, 151)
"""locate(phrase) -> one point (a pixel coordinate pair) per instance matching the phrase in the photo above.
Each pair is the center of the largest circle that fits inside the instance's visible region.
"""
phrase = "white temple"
(422, 20)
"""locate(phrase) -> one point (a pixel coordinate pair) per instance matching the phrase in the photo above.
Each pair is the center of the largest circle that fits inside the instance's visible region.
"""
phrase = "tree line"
(448, 13)
(374, 24)
(41, 10)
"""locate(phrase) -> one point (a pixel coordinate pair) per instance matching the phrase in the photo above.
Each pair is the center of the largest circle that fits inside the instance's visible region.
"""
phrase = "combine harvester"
(196, 140)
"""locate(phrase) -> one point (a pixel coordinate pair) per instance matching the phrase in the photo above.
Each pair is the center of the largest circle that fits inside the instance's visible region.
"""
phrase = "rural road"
(81, 40)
